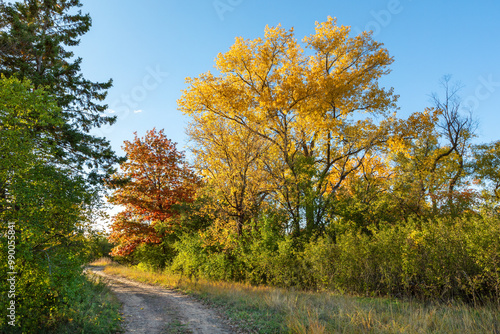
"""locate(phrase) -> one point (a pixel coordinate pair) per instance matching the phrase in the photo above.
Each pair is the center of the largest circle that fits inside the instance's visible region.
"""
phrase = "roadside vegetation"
(264, 309)
(93, 310)
(51, 173)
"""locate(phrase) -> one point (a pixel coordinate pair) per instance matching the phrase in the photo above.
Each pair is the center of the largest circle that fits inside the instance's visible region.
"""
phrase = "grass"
(271, 310)
(176, 327)
(102, 262)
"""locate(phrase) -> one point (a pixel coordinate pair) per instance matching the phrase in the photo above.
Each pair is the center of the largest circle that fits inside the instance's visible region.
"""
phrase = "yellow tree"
(429, 165)
(315, 108)
(431, 158)
(229, 157)
(365, 199)
(486, 162)
(413, 154)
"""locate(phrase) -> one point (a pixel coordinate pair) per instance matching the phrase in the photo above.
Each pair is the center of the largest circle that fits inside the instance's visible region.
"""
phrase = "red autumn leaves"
(150, 183)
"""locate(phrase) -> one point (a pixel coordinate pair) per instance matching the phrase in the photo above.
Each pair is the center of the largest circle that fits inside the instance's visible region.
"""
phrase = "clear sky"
(149, 47)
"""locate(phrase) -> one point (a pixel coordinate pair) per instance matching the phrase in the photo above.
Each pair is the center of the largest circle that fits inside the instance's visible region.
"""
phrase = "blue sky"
(149, 47)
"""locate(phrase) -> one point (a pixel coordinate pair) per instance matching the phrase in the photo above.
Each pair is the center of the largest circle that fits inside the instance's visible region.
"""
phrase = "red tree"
(154, 178)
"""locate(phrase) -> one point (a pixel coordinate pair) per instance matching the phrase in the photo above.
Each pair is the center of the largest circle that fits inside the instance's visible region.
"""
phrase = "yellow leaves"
(220, 234)
(265, 80)
(415, 238)
(397, 145)
(329, 38)
(274, 120)
(417, 129)
(229, 62)
(422, 122)
(229, 156)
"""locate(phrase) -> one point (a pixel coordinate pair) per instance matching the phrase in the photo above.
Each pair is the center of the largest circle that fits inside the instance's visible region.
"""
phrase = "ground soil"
(153, 309)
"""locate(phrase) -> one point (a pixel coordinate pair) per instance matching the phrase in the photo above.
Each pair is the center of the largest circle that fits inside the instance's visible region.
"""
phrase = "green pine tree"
(34, 39)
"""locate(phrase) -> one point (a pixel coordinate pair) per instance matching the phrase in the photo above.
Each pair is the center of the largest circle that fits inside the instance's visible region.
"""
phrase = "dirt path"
(152, 309)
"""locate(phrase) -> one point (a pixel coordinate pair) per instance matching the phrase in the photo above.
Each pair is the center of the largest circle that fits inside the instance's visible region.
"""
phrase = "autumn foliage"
(310, 179)
(301, 112)
(150, 183)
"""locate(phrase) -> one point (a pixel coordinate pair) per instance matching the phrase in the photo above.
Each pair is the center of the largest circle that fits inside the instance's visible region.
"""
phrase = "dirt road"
(152, 309)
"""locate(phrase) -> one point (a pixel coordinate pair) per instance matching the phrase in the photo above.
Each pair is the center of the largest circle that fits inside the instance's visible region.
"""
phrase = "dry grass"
(102, 262)
(271, 310)
(345, 314)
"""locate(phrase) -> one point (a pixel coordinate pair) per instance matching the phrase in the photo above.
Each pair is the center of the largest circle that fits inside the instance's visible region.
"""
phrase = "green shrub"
(152, 256)
(430, 259)
(483, 246)
(191, 256)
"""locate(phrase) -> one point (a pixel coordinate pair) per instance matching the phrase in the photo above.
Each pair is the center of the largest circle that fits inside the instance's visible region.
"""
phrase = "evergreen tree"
(34, 40)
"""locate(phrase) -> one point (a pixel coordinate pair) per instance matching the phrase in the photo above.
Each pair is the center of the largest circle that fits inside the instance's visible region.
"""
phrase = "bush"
(438, 259)
(151, 256)
(191, 256)
(430, 259)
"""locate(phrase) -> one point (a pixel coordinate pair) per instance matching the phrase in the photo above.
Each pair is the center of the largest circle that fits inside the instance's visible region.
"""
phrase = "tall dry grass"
(270, 310)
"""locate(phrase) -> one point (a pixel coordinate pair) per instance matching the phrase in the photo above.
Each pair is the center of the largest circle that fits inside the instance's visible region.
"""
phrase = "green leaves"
(47, 203)
(33, 38)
